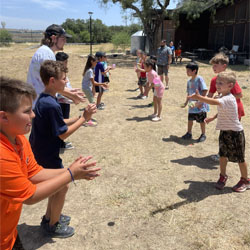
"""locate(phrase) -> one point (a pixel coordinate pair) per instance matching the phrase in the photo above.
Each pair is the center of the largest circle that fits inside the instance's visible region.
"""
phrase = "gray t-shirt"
(86, 82)
(162, 55)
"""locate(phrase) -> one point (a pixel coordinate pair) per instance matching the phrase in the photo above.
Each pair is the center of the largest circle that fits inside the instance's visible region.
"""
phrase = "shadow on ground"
(32, 237)
(196, 192)
(201, 162)
(179, 140)
(139, 119)
(139, 106)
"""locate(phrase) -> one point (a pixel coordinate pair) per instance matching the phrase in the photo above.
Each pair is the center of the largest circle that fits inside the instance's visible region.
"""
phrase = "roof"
(139, 33)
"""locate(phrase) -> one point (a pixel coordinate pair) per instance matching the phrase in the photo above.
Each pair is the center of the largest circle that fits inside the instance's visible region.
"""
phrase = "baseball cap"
(99, 54)
(55, 29)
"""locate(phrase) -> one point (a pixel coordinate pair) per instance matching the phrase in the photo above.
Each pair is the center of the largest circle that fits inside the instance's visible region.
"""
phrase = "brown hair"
(11, 91)
(220, 58)
(228, 77)
(50, 69)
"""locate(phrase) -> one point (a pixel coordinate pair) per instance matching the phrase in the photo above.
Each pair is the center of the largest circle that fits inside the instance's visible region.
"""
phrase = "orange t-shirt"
(17, 165)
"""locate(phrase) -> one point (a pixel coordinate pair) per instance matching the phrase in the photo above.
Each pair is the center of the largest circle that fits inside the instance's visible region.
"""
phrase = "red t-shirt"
(235, 90)
(143, 74)
(17, 166)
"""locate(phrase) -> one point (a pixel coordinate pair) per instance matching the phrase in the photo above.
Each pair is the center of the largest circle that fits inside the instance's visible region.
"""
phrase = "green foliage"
(121, 39)
(5, 37)
(80, 30)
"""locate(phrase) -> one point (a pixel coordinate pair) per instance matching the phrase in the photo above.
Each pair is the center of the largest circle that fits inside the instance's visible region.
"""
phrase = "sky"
(38, 14)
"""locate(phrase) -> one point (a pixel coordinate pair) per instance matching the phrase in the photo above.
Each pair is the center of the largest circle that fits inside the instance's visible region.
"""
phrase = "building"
(229, 26)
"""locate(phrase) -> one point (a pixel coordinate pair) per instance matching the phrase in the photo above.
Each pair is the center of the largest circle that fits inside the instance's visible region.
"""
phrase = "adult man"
(54, 40)
(164, 59)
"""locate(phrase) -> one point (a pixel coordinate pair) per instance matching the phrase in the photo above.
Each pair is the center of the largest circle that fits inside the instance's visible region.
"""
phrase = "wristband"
(72, 178)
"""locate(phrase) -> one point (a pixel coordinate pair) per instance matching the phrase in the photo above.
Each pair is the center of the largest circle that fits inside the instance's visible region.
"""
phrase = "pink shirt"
(156, 80)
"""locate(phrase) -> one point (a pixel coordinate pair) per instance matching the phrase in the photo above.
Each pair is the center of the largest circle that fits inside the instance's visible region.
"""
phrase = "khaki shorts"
(162, 70)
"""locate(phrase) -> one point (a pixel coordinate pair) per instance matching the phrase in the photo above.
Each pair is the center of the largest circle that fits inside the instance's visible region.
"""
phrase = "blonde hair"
(228, 77)
(220, 58)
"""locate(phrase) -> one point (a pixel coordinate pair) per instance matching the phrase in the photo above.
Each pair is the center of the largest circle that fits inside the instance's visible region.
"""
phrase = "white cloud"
(50, 4)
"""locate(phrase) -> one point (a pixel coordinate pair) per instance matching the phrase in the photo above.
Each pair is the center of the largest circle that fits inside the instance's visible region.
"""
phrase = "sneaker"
(156, 119)
(64, 219)
(100, 107)
(187, 136)
(167, 87)
(102, 104)
(140, 96)
(242, 185)
(144, 97)
(68, 146)
(90, 123)
(202, 138)
(152, 116)
(221, 182)
(59, 230)
(215, 158)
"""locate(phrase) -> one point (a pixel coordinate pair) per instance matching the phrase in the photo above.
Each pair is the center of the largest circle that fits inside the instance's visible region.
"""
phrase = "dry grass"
(155, 191)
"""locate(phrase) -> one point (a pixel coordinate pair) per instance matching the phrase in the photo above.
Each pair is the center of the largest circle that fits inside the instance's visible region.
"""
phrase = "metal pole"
(90, 31)
(90, 35)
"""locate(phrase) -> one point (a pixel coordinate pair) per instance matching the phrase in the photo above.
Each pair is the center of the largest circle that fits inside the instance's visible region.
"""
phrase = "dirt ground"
(155, 192)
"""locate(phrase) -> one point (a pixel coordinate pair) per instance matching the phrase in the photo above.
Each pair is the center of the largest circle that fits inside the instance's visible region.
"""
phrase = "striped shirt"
(227, 118)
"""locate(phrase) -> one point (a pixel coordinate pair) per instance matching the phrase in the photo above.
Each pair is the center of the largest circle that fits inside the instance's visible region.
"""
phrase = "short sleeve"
(15, 186)
(202, 84)
(236, 89)
(169, 51)
(213, 85)
(58, 126)
(91, 74)
(32, 166)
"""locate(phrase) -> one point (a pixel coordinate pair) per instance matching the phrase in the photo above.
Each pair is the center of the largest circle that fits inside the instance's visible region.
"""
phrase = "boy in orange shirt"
(22, 179)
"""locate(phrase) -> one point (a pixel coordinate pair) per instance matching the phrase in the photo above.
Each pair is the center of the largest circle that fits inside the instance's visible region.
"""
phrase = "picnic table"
(191, 55)
(203, 53)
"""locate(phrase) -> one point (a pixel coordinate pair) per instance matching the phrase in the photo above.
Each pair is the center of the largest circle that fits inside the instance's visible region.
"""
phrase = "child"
(219, 64)
(172, 47)
(143, 78)
(154, 80)
(48, 129)
(23, 181)
(178, 54)
(105, 66)
(99, 78)
(232, 139)
(62, 100)
(138, 60)
(88, 79)
(196, 111)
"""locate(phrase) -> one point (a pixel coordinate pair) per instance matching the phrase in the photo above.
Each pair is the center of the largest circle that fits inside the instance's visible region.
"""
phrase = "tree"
(5, 37)
(121, 39)
(150, 12)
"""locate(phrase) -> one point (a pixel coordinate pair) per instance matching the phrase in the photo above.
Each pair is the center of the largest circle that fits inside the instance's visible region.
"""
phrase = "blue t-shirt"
(192, 85)
(99, 77)
(47, 125)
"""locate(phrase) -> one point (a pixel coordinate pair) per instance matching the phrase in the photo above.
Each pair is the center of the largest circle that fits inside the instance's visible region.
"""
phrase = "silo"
(137, 42)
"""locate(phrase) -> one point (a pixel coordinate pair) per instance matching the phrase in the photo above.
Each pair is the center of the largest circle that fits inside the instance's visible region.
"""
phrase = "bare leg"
(155, 105)
(203, 127)
(99, 98)
(161, 76)
(55, 205)
(190, 125)
(141, 89)
(223, 165)
(166, 80)
(159, 104)
(243, 169)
